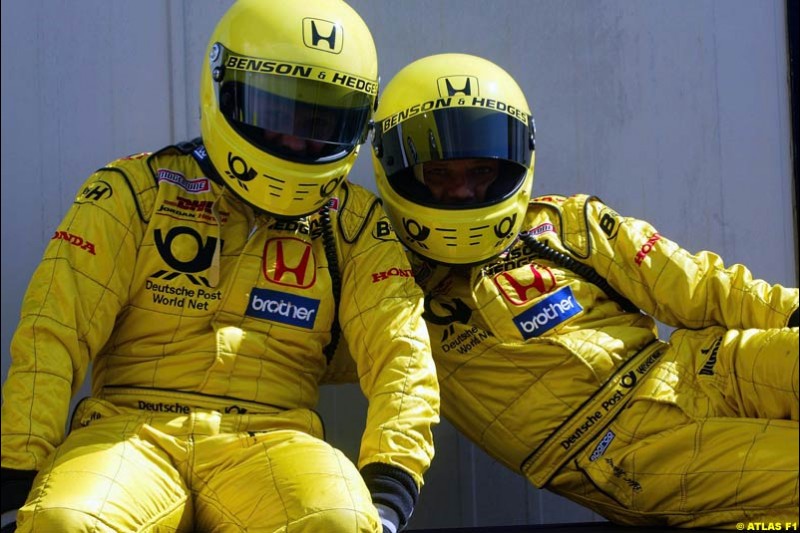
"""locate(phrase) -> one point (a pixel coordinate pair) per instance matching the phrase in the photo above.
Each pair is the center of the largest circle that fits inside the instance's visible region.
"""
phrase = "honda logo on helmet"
(463, 85)
(323, 35)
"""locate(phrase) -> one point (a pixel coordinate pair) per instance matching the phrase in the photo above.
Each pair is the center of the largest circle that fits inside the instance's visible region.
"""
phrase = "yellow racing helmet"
(446, 107)
(286, 95)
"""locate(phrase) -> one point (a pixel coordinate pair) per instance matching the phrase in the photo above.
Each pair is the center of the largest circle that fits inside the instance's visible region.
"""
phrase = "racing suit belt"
(181, 403)
(585, 424)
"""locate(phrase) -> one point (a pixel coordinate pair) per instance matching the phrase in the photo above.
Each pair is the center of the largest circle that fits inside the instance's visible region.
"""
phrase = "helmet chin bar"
(465, 236)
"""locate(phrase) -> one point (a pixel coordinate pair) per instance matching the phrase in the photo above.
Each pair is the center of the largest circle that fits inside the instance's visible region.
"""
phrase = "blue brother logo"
(284, 308)
(548, 313)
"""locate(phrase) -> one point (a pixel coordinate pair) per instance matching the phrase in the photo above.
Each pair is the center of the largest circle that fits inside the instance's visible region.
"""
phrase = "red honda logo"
(516, 290)
(289, 261)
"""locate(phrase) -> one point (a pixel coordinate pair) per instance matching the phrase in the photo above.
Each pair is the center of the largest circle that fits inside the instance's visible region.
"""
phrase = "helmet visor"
(278, 108)
(454, 133)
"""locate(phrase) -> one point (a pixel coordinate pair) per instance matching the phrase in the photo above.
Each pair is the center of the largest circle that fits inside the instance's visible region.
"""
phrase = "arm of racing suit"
(679, 288)
(381, 317)
(67, 314)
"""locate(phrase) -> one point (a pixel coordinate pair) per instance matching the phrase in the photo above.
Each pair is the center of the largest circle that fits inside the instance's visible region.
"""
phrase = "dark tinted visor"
(324, 121)
(454, 133)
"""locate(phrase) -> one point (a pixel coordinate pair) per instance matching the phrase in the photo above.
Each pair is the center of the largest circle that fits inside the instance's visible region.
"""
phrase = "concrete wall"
(676, 112)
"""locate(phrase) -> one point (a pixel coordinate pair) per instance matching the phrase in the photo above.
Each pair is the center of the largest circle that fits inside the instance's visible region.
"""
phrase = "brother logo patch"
(548, 313)
(284, 308)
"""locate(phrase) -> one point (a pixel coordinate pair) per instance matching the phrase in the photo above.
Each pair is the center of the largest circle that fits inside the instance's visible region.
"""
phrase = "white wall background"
(676, 112)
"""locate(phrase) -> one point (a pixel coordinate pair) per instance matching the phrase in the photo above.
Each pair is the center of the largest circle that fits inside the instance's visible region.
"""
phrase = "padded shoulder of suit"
(357, 206)
(133, 174)
(571, 212)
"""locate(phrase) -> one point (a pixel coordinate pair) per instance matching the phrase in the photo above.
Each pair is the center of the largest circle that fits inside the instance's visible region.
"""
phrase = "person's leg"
(684, 453)
(280, 480)
(755, 370)
(106, 477)
(714, 472)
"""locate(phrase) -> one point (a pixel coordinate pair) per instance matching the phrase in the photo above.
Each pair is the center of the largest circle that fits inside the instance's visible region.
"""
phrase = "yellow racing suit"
(566, 382)
(209, 328)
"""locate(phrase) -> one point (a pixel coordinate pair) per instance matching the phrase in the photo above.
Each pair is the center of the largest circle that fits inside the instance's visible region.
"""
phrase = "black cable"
(585, 271)
(336, 279)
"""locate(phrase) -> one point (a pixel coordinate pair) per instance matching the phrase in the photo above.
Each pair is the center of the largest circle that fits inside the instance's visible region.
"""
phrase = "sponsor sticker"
(458, 99)
(282, 307)
(300, 70)
(544, 227)
(520, 291)
(602, 446)
(196, 186)
(394, 271)
(289, 261)
(96, 191)
(453, 85)
(383, 231)
(74, 240)
(547, 314)
(609, 222)
(323, 35)
(646, 248)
